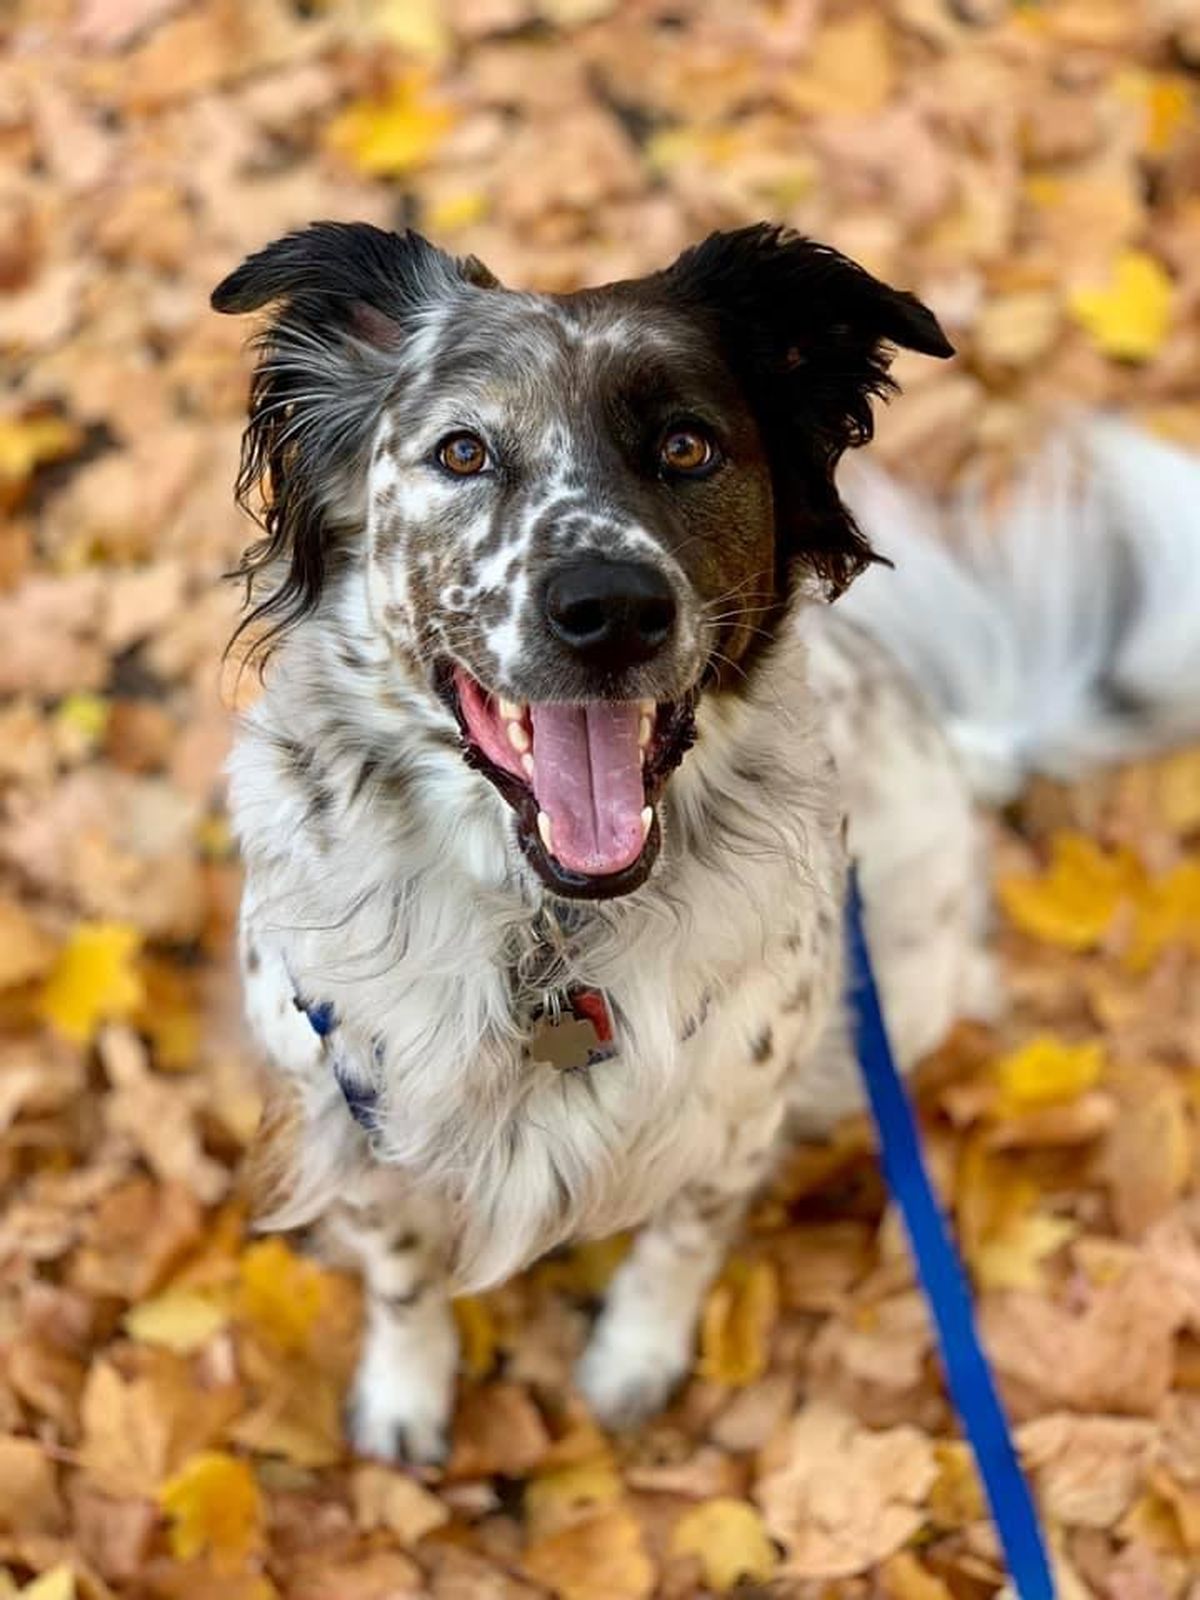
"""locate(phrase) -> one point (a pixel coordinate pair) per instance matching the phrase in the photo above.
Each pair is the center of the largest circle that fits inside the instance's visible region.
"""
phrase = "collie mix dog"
(547, 805)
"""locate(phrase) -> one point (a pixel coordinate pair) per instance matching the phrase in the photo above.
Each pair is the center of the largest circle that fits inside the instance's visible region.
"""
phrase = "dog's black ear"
(343, 296)
(810, 335)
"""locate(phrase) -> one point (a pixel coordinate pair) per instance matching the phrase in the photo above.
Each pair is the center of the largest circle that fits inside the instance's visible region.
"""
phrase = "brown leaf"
(839, 1497)
(601, 1558)
(29, 1498)
(1086, 1470)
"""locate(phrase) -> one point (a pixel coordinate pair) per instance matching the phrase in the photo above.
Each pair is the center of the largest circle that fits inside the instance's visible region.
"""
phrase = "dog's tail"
(1062, 629)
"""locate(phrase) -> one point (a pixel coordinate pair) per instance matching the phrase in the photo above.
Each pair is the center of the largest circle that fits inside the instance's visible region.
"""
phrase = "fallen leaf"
(1149, 1153)
(1129, 317)
(1086, 1470)
(601, 1558)
(26, 443)
(1046, 1072)
(26, 950)
(729, 1538)
(737, 1323)
(94, 980)
(215, 1509)
(476, 1333)
(390, 136)
(57, 1584)
(386, 1499)
(281, 1295)
(1003, 1235)
(556, 1499)
(850, 68)
(1074, 902)
(138, 1431)
(839, 1497)
(29, 1497)
(181, 1320)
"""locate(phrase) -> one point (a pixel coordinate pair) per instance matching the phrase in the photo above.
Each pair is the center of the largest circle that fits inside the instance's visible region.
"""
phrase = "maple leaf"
(1045, 1072)
(1127, 318)
(389, 136)
(840, 1497)
(94, 980)
(729, 1538)
(281, 1294)
(215, 1509)
(1074, 902)
(476, 1333)
(738, 1320)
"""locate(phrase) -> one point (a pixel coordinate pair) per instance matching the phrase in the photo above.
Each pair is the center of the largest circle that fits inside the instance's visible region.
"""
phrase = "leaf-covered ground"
(170, 1388)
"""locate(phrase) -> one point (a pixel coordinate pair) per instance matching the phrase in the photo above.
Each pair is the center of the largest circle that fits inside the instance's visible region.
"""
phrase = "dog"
(547, 807)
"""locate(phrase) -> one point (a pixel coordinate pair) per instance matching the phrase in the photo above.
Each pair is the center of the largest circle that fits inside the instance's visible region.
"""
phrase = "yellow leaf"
(1128, 318)
(956, 1497)
(476, 1333)
(461, 209)
(739, 1318)
(57, 1584)
(585, 1270)
(1167, 912)
(1072, 904)
(179, 1320)
(418, 26)
(94, 980)
(27, 442)
(215, 1508)
(1166, 99)
(1046, 1072)
(729, 1538)
(390, 136)
(1004, 1237)
(83, 717)
(281, 1294)
(556, 1499)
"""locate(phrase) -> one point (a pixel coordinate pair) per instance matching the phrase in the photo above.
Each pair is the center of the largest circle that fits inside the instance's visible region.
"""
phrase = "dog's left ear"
(810, 336)
(344, 297)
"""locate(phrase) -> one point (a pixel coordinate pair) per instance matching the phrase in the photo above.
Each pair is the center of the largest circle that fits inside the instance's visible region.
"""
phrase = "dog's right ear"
(344, 296)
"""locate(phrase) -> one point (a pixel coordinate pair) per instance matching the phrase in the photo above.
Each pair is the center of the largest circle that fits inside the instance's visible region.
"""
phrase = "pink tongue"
(588, 780)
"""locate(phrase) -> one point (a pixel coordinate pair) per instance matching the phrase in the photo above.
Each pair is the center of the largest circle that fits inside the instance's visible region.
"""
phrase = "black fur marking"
(761, 1048)
(808, 335)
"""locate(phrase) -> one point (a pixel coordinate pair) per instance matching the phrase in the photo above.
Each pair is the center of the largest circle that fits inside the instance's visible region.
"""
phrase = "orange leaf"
(215, 1509)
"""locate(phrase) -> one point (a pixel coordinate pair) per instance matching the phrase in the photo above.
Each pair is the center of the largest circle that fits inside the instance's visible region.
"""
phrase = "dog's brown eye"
(463, 453)
(687, 450)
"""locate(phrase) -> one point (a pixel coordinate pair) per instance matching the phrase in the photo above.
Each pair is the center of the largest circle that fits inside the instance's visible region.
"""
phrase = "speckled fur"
(394, 938)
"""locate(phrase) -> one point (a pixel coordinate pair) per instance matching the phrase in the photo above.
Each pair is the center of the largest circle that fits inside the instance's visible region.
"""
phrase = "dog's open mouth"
(584, 779)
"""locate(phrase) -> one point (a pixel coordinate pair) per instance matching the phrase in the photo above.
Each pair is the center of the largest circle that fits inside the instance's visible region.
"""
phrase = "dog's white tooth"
(546, 830)
(647, 707)
(509, 710)
(647, 820)
(645, 729)
(527, 763)
(518, 737)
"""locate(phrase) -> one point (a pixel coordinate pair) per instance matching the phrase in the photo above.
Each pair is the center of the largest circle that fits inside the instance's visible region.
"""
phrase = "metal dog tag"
(565, 1042)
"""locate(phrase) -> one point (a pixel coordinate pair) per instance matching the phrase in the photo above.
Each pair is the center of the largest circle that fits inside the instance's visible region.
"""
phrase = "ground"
(170, 1387)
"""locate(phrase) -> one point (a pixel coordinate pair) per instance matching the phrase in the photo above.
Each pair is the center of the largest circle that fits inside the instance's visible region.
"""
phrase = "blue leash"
(968, 1376)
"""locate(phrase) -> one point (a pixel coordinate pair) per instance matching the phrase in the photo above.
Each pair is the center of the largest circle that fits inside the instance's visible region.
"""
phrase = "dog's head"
(577, 512)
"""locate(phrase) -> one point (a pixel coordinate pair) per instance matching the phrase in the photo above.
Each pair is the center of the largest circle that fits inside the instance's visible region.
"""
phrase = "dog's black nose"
(610, 613)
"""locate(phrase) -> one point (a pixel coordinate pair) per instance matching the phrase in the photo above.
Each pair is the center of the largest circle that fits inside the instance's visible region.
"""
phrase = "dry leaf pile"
(170, 1388)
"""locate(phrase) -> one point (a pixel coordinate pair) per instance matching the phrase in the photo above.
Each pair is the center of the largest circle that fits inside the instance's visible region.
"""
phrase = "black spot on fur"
(762, 1046)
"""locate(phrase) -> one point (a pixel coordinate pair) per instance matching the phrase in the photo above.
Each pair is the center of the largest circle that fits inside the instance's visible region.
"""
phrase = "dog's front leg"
(402, 1401)
(641, 1346)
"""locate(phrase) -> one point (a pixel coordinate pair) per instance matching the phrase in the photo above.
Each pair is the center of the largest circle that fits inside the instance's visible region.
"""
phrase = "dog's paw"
(398, 1420)
(629, 1372)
